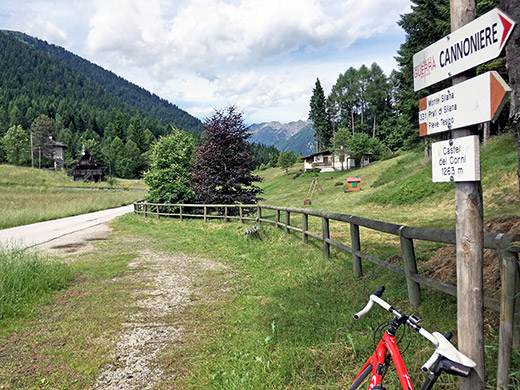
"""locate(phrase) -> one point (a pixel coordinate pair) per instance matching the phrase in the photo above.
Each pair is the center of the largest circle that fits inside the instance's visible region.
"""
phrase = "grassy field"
(400, 190)
(282, 316)
(26, 277)
(29, 195)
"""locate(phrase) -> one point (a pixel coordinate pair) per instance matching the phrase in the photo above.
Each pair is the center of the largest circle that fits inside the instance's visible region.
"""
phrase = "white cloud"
(209, 36)
(47, 30)
(127, 31)
(261, 55)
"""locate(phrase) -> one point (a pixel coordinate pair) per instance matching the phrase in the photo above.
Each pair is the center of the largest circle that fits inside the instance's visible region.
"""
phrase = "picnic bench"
(253, 231)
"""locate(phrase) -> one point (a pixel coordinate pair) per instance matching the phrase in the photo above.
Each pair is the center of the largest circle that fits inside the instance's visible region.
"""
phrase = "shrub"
(169, 176)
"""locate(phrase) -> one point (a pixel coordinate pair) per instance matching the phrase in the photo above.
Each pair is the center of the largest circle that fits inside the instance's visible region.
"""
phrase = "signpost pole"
(470, 238)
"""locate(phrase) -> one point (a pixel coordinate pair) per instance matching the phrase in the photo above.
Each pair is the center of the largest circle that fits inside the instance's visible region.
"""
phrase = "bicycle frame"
(379, 362)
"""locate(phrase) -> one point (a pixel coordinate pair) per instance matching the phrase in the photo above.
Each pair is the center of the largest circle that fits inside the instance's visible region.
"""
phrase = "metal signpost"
(468, 102)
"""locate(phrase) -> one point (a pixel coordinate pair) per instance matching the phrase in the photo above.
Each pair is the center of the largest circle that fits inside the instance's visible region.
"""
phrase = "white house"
(58, 154)
(328, 161)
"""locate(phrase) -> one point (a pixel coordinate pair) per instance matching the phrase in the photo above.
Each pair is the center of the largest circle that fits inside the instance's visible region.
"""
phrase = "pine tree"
(41, 138)
(318, 116)
(224, 163)
(513, 65)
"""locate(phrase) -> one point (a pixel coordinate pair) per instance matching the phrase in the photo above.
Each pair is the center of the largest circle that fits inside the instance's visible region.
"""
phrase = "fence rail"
(505, 244)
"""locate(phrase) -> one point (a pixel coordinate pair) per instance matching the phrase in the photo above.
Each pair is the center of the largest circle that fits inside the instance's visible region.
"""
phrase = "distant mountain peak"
(297, 136)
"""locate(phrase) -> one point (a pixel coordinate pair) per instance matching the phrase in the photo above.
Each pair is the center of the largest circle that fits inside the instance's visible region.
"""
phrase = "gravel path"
(169, 281)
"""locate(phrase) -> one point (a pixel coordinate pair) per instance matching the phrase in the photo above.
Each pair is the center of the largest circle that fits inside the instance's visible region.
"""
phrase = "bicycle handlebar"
(442, 345)
(371, 301)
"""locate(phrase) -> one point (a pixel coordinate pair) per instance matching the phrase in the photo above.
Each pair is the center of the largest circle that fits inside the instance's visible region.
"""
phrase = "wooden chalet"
(328, 161)
(88, 169)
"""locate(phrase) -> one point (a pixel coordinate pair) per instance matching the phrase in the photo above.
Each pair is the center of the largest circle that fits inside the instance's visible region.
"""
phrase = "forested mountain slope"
(129, 93)
(41, 95)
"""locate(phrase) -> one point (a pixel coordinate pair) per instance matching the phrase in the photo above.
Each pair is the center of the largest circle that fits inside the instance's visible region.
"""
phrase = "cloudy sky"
(262, 55)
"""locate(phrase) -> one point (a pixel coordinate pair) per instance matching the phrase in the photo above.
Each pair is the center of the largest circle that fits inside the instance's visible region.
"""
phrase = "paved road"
(41, 232)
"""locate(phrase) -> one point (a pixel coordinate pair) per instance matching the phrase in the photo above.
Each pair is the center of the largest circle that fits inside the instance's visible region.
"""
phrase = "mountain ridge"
(128, 92)
(297, 136)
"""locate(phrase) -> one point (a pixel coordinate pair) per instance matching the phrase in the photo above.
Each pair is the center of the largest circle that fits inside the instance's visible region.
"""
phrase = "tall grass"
(32, 177)
(26, 277)
(25, 205)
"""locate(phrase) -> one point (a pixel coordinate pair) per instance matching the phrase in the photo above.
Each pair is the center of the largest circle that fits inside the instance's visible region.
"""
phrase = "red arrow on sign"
(474, 101)
(507, 26)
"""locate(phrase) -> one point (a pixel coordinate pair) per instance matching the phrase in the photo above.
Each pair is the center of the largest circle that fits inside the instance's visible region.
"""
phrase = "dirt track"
(169, 281)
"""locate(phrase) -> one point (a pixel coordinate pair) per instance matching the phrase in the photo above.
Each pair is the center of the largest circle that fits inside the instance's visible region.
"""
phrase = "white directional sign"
(471, 45)
(476, 100)
(456, 160)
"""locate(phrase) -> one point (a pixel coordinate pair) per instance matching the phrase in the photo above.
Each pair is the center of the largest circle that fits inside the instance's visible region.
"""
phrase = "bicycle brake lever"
(447, 349)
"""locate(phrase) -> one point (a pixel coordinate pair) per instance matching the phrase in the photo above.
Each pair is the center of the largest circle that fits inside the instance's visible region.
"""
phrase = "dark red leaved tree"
(223, 163)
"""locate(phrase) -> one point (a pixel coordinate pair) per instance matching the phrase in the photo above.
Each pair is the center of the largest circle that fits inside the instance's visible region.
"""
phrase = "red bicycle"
(446, 357)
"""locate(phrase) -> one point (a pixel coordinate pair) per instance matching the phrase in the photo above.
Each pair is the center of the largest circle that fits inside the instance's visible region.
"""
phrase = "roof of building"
(329, 152)
(59, 144)
(87, 161)
(318, 153)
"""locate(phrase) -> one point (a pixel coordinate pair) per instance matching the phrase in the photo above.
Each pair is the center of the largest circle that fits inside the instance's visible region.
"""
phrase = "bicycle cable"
(383, 327)
(379, 331)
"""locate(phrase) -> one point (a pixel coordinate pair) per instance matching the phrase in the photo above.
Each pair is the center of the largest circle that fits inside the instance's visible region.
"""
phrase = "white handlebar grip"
(365, 310)
(426, 366)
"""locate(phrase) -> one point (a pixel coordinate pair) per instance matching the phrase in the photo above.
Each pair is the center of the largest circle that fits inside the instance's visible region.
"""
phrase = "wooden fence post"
(410, 268)
(145, 209)
(277, 219)
(287, 222)
(180, 213)
(507, 315)
(205, 214)
(259, 213)
(469, 213)
(241, 213)
(326, 236)
(516, 329)
(226, 214)
(305, 227)
(356, 246)
(157, 206)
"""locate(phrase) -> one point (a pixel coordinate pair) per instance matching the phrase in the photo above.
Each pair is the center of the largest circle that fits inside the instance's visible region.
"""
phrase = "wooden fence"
(503, 243)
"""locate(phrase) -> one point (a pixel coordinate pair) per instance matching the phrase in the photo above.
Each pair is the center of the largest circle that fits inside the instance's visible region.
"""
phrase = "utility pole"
(470, 241)
(32, 152)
